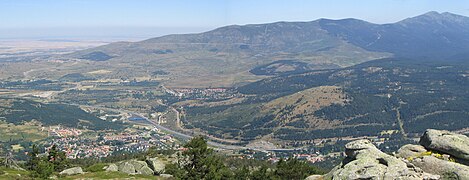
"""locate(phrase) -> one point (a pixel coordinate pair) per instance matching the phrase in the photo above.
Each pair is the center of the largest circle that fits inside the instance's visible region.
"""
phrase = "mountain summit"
(431, 35)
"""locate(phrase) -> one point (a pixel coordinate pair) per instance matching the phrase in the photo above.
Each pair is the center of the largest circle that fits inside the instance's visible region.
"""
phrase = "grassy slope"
(109, 175)
(20, 175)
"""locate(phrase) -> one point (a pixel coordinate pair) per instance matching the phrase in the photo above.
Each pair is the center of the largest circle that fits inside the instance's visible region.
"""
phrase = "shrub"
(43, 170)
(450, 176)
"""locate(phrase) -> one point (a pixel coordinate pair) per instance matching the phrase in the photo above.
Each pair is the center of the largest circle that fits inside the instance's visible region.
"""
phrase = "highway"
(170, 131)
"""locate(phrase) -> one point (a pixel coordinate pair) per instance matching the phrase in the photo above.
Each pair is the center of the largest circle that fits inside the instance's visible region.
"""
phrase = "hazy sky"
(147, 18)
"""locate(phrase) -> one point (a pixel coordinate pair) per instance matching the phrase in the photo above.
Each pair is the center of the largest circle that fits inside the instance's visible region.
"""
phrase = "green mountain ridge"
(224, 56)
(377, 96)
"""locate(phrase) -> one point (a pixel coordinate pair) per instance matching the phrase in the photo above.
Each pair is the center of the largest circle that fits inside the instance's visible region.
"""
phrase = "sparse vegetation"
(200, 162)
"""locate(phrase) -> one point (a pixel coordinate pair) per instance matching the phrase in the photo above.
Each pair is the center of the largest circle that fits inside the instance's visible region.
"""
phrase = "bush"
(199, 162)
(43, 170)
(450, 176)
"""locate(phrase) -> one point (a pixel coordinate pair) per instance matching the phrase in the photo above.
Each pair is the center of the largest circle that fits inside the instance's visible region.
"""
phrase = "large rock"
(365, 161)
(453, 144)
(126, 167)
(137, 164)
(432, 161)
(156, 165)
(145, 170)
(141, 167)
(166, 176)
(132, 167)
(441, 167)
(410, 151)
(72, 171)
(112, 168)
(314, 177)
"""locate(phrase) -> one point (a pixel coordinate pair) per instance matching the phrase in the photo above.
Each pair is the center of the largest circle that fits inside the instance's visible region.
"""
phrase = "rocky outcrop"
(156, 165)
(364, 161)
(126, 167)
(441, 167)
(410, 150)
(141, 167)
(137, 167)
(166, 175)
(112, 168)
(454, 144)
(72, 171)
(145, 170)
(138, 164)
(438, 156)
(314, 177)
(439, 153)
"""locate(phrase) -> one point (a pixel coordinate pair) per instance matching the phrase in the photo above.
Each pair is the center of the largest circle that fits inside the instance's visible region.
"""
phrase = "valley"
(258, 91)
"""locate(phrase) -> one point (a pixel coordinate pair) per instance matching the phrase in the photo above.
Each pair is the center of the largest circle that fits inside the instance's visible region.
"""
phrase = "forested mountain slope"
(373, 97)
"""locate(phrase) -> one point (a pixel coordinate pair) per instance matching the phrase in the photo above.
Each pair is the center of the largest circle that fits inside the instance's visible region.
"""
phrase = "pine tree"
(58, 158)
(199, 162)
(43, 170)
(33, 158)
(261, 174)
(295, 169)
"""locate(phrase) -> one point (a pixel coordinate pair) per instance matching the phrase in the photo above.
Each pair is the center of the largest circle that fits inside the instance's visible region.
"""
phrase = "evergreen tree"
(33, 158)
(261, 173)
(43, 167)
(241, 173)
(58, 158)
(198, 161)
(295, 169)
(43, 170)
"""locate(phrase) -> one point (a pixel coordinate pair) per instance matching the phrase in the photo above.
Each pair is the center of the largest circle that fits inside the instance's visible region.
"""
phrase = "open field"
(25, 132)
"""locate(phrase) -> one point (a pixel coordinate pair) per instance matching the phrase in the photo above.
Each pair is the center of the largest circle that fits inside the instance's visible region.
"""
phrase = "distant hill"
(96, 56)
(231, 55)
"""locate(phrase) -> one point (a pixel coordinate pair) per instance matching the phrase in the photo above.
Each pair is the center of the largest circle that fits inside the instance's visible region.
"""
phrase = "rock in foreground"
(72, 171)
(438, 157)
(365, 161)
(126, 167)
(156, 165)
(149, 167)
(112, 168)
(441, 167)
(453, 144)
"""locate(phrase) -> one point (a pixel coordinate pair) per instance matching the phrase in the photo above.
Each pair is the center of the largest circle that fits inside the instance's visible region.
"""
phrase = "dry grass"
(305, 103)
(101, 71)
(210, 104)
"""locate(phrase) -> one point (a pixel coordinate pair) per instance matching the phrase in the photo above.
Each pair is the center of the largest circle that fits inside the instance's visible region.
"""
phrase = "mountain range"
(226, 56)
(423, 85)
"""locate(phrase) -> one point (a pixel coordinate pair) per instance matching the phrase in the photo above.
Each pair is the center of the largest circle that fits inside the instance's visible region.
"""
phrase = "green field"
(25, 132)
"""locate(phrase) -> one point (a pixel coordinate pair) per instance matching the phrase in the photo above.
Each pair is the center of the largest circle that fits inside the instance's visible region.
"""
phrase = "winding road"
(170, 131)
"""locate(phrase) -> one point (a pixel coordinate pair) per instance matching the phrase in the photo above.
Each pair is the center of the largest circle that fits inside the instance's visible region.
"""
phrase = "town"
(79, 144)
